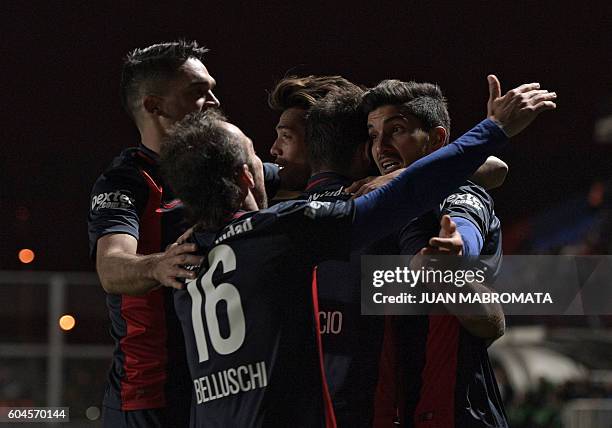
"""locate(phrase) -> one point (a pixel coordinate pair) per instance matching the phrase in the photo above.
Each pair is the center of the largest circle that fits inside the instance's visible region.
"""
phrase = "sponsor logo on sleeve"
(108, 200)
(312, 209)
(464, 199)
(337, 209)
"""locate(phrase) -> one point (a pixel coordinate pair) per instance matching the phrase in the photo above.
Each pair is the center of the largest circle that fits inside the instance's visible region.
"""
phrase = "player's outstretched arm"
(490, 175)
(424, 183)
(123, 271)
(430, 179)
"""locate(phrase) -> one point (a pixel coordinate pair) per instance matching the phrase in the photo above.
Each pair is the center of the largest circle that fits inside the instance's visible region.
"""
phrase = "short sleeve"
(117, 200)
(472, 203)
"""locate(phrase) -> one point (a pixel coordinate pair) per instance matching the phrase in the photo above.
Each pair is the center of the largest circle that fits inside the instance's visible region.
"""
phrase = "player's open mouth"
(389, 165)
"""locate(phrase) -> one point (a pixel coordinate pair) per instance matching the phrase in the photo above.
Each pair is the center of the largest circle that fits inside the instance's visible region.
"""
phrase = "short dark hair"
(303, 92)
(335, 127)
(200, 160)
(148, 69)
(424, 101)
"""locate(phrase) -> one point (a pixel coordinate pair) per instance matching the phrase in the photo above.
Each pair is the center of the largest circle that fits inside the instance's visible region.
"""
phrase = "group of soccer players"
(252, 318)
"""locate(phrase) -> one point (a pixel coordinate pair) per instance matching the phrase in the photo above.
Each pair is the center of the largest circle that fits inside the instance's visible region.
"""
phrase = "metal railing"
(54, 350)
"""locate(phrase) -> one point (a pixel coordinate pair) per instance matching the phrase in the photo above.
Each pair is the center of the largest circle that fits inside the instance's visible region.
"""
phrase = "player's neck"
(151, 138)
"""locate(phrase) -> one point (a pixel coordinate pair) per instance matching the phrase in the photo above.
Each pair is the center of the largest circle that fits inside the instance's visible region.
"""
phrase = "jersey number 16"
(225, 291)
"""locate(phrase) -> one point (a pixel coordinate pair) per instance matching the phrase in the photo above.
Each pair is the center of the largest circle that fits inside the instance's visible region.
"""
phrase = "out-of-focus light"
(93, 413)
(67, 322)
(597, 194)
(26, 255)
(22, 214)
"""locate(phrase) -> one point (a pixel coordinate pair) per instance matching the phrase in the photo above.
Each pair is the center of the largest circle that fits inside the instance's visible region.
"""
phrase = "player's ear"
(153, 105)
(437, 138)
(245, 177)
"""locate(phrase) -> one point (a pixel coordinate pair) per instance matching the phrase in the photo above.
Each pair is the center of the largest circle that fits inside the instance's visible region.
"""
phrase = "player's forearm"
(489, 328)
(425, 183)
(123, 273)
(485, 320)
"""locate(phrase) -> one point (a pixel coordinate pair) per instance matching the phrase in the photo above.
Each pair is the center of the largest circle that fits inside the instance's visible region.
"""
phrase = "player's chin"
(281, 162)
(295, 171)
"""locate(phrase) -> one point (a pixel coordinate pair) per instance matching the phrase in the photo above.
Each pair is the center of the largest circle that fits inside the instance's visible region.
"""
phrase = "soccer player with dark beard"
(440, 361)
(133, 217)
(247, 318)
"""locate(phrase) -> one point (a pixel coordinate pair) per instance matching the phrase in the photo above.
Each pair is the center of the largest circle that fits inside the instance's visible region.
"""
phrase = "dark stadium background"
(62, 122)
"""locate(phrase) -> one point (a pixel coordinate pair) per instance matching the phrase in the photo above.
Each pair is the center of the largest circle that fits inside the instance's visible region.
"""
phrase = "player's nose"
(379, 145)
(212, 101)
(384, 141)
(275, 150)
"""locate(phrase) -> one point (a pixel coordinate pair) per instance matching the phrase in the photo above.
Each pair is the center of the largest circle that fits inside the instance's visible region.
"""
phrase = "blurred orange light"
(67, 322)
(26, 256)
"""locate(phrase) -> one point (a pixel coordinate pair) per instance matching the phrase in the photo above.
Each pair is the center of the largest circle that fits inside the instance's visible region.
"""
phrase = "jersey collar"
(327, 179)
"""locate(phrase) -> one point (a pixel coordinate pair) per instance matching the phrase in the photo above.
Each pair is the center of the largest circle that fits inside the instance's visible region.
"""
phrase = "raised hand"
(519, 106)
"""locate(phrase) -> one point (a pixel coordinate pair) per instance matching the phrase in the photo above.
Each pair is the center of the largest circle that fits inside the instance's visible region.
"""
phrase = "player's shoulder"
(122, 184)
(475, 189)
(282, 216)
(129, 161)
(126, 168)
(122, 166)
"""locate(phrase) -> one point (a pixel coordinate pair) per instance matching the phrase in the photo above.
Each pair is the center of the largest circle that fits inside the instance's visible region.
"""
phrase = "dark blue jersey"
(149, 365)
(149, 369)
(446, 378)
(351, 342)
(249, 319)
